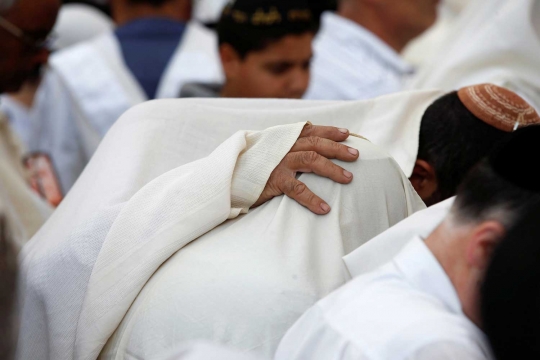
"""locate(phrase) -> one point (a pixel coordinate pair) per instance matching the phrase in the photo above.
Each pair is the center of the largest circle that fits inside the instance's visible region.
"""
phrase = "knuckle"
(314, 141)
(299, 188)
(309, 157)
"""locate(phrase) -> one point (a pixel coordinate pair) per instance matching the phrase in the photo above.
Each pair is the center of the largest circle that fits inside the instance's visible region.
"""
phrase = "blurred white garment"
(495, 41)
(26, 212)
(423, 49)
(201, 350)
(247, 281)
(20, 119)
(406, 310)
(351, 63)
(208, 11)
(79, 22)
(88, 87)
(134, 206)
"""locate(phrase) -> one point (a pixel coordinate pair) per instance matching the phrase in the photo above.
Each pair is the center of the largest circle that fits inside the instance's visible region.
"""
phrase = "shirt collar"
(421, 269)
(150, 26)
(354, 35)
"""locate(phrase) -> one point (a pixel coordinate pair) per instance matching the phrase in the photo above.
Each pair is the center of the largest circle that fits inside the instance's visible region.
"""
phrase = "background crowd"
(439, 85)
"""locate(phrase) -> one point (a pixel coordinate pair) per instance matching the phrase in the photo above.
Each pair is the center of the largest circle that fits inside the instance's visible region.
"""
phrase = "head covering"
(79, 22)
(498, 107)
(268, 14)
(510, 300)
(516, 160)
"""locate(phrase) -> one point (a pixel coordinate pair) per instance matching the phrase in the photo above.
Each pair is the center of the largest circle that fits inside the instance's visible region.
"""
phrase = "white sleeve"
(313, 338)
(447, 351)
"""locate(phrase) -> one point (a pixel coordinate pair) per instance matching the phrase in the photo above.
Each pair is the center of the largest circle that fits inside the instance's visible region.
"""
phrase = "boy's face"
(281, 70)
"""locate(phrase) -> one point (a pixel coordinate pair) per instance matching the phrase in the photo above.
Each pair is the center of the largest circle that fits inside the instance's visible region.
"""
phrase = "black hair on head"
(510, 296)
(506, 185)
(453, 140)
(252, 25)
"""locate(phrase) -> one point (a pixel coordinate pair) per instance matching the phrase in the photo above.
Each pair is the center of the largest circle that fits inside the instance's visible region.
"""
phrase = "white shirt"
(407, 309)
(351, 63)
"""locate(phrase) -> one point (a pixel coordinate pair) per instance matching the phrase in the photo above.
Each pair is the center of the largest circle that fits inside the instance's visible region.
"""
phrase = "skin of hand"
(311, 153)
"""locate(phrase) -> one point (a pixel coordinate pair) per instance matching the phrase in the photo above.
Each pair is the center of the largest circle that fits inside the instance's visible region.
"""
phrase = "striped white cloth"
(351, 63)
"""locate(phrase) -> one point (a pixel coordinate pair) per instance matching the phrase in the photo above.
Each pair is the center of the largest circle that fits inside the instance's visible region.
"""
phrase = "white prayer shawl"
(391, 122)
(247, 281)
(351, 63)
(133, 207)
(381, 249)
(495, 41)
(89, 87)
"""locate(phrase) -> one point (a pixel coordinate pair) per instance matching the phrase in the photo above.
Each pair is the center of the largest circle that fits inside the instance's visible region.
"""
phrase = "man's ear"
(483, 241)
(424, 179)
(230, 60)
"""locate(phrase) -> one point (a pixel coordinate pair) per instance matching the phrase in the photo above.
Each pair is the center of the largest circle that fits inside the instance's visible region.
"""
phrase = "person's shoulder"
(380, 309)
(62, 57)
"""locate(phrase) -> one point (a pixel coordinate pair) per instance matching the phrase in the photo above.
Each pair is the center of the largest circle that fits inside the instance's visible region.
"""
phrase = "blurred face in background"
(21, 54)
(280, 70)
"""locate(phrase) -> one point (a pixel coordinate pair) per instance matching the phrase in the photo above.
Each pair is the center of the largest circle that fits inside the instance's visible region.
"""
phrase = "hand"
(310, 153)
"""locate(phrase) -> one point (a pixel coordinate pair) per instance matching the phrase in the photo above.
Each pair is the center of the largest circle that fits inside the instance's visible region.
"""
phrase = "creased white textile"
(392, 121)
(247, 281)
(133, 207)
(496, 41)
(384, 247)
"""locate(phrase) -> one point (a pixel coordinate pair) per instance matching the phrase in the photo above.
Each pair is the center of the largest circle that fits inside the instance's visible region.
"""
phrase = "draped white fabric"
(110, 208)
(385, 246)
(392, 121)
(133, 207)
(496, 41)
(247, 281)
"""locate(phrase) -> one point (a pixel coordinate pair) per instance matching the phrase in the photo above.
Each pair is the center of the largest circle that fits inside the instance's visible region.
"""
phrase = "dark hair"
(485, 195)
(244, 37)
(510, 295)
(504, 186)
(453, 140)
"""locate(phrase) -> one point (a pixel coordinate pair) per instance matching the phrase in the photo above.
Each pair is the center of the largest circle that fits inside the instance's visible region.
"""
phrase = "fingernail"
(348, 174)
(353, 151)
(344, 131)
(325, 207)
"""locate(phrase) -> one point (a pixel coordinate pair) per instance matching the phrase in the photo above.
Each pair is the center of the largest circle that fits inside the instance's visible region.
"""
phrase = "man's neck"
(369, 19)
(445, 244)
(123, 13)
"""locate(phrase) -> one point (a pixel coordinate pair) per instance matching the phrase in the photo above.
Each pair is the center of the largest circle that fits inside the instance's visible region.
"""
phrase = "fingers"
(299, 192)
(327, 132)
(310, 161)
(327, 148)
